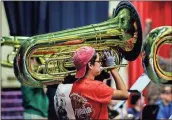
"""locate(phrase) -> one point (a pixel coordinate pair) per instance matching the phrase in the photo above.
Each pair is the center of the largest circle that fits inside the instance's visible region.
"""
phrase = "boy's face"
(97, 65)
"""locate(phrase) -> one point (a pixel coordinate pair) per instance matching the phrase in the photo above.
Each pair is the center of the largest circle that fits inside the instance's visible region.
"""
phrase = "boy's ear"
(89, 65)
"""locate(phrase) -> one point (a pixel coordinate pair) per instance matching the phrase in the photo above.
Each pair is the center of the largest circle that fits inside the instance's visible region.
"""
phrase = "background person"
(62, 101)
(35, 100)
(165, 105)
(137, 102)
(35, 103)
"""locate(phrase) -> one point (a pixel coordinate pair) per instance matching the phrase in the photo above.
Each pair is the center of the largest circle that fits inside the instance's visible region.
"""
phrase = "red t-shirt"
(90, 98)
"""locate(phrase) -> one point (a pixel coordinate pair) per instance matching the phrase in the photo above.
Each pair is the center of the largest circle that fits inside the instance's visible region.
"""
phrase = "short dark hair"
(92, 61)
(162, 89)
(69, 79)
(135, 97)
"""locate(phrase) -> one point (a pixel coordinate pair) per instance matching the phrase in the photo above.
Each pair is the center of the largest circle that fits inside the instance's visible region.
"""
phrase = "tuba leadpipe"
(122, 34)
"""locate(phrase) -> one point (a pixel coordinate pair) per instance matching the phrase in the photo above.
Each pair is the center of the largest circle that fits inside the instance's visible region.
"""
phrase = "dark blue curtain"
(27, 18)
(30, 18)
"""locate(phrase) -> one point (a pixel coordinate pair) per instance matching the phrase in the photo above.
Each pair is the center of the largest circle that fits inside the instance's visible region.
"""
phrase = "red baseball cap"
(80, 59)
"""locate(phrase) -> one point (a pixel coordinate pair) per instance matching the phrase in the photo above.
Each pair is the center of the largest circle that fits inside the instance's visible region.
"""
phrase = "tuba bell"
(46, 59)
(152, 61)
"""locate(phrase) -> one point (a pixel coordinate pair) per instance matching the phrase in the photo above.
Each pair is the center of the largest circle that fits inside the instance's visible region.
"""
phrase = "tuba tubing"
(15, 42)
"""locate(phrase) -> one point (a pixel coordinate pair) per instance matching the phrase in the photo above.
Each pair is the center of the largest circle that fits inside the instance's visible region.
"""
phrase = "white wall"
(8, 77)
(112, 5)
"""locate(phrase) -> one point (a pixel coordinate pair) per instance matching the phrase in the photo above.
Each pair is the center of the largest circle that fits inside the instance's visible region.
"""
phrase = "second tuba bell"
(158, 68)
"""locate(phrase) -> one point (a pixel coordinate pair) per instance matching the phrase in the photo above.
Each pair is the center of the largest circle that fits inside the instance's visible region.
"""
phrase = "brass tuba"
(152, 61)
(46, 59)
(15, 42)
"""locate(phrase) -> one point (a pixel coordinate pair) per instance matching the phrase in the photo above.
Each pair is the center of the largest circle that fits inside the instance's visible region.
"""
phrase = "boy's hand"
(110, 60)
